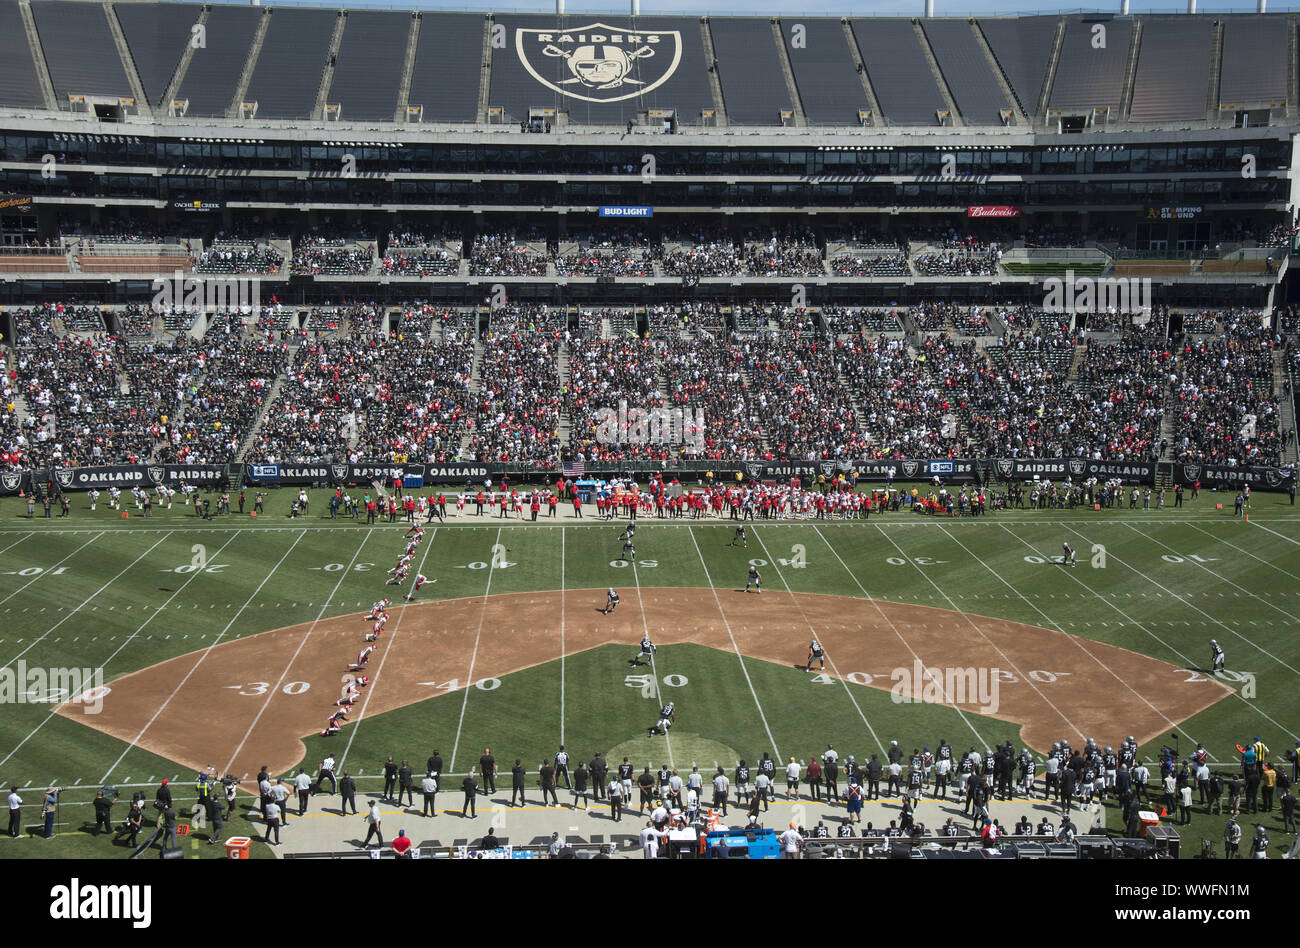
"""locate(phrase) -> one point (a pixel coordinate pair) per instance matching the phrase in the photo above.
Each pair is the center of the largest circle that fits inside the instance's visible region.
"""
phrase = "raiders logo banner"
(1077, 469)
(599, 63)
(1222, 475)
(122, 476)
(201, 475)
(11, 482)
(450, 472)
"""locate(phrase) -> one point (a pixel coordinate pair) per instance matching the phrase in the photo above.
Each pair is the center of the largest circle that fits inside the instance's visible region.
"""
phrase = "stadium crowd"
(238, 257)
(507, 254)
(772, 381)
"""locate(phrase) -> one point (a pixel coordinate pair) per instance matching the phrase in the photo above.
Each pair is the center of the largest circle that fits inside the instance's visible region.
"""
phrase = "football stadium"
(465, 434)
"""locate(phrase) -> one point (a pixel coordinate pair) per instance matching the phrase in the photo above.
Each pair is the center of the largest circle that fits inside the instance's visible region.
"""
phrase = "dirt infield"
(1049, 685)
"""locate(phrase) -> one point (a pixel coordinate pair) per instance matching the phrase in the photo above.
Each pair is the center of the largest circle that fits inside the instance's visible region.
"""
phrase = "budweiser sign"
(996, 210)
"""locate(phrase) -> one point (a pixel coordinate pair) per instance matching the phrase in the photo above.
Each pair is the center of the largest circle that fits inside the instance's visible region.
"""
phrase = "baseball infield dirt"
(1052, 684)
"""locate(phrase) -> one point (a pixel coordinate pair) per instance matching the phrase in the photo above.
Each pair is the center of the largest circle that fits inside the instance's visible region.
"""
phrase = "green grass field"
(97, 590)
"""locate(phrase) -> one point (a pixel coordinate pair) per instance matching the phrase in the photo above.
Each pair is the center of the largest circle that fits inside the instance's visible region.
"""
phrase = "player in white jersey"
(331, 726)
(460, 504)
(363, 656)
(94, 498)
(420, 580)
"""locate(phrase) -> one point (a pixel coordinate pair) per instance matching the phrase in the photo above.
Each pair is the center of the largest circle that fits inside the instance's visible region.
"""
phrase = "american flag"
(574, 468)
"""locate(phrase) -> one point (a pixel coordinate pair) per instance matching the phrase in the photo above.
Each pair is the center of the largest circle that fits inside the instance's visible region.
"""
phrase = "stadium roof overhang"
(851, 138)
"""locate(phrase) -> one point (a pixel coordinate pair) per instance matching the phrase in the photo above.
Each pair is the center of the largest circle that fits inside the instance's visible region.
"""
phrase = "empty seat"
(79, 50)
(369, 68)
(18, 83)
(288, 73)
(157, 34)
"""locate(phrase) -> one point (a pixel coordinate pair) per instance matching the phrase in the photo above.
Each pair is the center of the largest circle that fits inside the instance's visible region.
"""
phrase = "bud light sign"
(608, 211)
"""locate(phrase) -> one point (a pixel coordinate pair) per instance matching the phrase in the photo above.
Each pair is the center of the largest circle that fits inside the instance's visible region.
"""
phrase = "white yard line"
(890, 622)
(825, 652)
(23, 539)
(654, 670)
(975, 625)
(275, 689)
(50, 569)
(776, 751)
(561, 635)
(469, 680)
(1240, 550)
(1256, 523)
(1218, 576)
(904, 521)
(36, 641)
(152, 615)
(199, 660)
(1074, 640)
(1190, 665)
(374, 681)
(1217, 622)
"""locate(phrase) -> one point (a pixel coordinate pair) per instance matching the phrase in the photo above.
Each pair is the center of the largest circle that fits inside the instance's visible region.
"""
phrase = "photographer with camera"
(50, 809)
(134, 821)
(104, 801)
(229, 783)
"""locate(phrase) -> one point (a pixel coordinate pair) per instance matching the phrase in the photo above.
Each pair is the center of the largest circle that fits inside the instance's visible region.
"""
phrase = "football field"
(226, 643)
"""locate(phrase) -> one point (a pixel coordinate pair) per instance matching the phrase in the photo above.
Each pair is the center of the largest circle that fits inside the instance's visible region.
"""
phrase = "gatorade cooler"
(1148, 819)
(237, 847)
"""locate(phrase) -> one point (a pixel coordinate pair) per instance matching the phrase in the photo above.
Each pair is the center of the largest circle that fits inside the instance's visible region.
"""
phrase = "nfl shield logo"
(11, 480)
(909, 468)
(600, 63)
(156, 474)
(64, 477)
(1005, 468)
(1077, 467)
(339, 472)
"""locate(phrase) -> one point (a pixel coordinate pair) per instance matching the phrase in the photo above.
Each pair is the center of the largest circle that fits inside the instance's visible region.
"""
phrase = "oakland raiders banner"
(899, 468)
(1075, 469)
(1214, 475)
(758, 470)
(449, 472)
(120, 475)
(342, 473)
(86, 478)
(296, 474)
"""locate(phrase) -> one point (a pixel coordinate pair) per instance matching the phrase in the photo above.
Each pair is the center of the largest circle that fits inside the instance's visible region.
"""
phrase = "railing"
(853, 847)
(21, 251)
(1054, 254)
(867, 11)
(445, 852)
